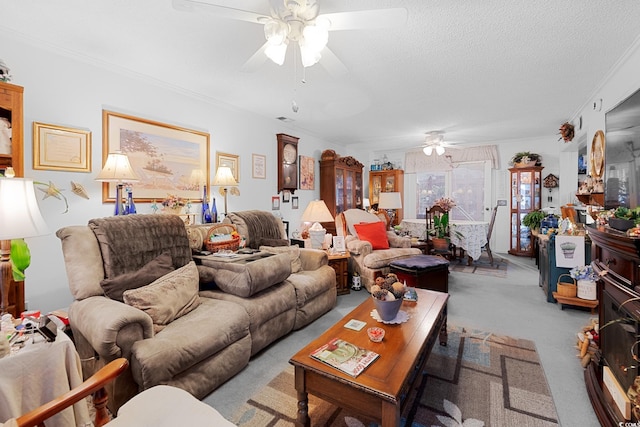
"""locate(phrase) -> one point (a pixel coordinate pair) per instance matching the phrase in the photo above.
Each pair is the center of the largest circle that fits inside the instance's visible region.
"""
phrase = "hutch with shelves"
(525, 183)
(340, 184)
(387, 181)
(11, 155)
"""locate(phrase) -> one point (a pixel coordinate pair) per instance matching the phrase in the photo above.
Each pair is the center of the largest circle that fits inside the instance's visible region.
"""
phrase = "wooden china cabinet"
(340, 184)
(387, 181)
(11, 155)
(11, 115)
(526, 183)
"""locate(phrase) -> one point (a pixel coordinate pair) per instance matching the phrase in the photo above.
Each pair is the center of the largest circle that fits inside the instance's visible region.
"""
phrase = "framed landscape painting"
(165, 157)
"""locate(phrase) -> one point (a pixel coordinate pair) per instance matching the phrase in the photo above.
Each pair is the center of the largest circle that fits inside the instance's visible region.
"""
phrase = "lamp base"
(317, 238)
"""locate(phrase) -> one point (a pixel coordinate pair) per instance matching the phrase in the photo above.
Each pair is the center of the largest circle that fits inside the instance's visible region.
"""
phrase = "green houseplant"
(533, 219)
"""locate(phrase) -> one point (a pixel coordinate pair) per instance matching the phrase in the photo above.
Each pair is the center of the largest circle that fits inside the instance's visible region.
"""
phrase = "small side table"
(423, 246)
(340, 263)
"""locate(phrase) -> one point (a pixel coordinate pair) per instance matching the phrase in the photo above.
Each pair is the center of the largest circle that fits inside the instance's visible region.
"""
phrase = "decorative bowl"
(375, 333)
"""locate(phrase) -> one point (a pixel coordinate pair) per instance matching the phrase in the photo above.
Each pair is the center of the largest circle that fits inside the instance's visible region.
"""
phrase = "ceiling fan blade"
(221, 11)
(332, 64)
(256, 60)
(365, 19)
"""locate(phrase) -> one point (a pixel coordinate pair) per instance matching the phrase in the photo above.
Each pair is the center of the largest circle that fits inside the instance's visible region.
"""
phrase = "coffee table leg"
(303, 419)
(303, 410)
(390, 415)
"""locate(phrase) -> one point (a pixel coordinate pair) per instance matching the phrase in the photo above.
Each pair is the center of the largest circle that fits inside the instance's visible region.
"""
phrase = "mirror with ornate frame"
(622, 154)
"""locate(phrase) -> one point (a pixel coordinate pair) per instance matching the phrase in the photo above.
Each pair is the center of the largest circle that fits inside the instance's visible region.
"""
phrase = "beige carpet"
(479, 379)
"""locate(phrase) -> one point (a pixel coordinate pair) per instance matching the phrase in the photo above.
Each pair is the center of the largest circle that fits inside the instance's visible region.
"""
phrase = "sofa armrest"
(357, 246)
(313, 259)
(396, 241)
(110, 326)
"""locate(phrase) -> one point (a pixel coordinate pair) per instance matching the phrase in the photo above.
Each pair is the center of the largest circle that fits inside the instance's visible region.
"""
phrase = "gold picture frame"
(61, 148)
(230, 160)
(164, 157)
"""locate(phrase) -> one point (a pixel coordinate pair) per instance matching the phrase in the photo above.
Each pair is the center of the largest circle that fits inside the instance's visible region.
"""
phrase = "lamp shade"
(317, 211)
(389, 200)
(19, 212)
(117, 169)
(224, 177)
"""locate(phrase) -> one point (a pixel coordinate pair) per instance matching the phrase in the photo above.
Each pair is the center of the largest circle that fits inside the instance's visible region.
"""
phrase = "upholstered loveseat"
(179, 329)
(366, 259)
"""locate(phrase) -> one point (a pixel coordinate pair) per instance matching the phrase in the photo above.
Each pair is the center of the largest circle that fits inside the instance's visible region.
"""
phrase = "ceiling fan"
(299, 22)
(434, 141)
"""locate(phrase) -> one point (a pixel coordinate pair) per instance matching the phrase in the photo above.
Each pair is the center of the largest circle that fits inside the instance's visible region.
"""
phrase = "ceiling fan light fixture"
(275, 31)
(276, 52)
(308, 56)
(315, 37)
(428, 150)
(440, 150)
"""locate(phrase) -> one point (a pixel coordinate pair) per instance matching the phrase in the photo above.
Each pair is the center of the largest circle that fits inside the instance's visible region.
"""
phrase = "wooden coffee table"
(381, 391)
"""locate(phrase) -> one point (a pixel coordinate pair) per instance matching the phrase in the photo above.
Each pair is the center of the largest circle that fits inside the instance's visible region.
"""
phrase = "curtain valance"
(416, 161)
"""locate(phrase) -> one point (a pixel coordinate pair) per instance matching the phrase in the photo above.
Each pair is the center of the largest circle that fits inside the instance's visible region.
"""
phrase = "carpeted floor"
(482, 266)
(479, 379)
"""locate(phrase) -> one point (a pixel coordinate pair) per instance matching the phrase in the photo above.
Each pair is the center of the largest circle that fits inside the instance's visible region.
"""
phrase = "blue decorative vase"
(130, 207)
(206, 212)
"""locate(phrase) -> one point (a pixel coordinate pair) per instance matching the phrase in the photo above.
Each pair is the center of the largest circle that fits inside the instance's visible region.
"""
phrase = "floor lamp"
(390, 202)
(224, 178)
(20, 217)
(117, 169)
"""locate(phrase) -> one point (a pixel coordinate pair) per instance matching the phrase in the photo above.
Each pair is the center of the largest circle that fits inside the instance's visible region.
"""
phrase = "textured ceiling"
(482, 71)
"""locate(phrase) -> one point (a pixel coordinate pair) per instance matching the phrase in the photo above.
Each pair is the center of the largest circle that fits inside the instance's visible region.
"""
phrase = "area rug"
(478, 379)
(482, 266)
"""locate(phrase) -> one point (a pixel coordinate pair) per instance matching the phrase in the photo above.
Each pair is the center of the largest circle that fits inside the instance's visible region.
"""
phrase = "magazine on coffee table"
(345, 356)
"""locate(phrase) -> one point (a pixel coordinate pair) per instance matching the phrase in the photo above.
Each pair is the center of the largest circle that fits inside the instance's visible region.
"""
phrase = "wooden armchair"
(157, 406)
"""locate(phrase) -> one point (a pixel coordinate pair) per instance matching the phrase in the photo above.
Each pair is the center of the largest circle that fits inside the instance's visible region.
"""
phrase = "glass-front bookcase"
(526, 186)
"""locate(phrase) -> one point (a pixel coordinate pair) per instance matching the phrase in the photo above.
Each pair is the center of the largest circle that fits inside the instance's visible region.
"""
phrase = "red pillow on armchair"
(374, 233)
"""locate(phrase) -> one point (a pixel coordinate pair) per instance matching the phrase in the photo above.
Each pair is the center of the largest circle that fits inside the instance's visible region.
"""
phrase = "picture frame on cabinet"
(275, 203)
(232, 161)
(61, 148)
(294, 202)
(161, 154)
(307, 173)
(258, 166)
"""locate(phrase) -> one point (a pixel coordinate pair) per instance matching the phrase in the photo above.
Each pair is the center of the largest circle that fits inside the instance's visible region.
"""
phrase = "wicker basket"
(227, 245)
(564, 289)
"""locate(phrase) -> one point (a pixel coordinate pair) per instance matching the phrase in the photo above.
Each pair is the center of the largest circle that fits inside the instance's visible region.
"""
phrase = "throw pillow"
(154, 269)
(292, 251)
(273, 242)
(374, 233)
(168, 298)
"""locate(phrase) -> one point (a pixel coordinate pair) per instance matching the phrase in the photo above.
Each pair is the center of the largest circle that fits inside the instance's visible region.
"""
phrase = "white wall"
(64, 91)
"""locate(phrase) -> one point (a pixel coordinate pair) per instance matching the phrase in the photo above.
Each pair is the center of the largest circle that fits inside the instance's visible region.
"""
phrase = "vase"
(172, 211)
(440, 244)
(206, 212)
(587, 289)
(387, 310)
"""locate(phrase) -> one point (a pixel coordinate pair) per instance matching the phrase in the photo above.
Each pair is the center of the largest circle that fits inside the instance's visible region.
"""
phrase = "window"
(465, 184)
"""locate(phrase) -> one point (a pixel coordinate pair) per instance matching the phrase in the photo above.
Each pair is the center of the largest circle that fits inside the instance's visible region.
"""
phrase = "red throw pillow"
(374, 233)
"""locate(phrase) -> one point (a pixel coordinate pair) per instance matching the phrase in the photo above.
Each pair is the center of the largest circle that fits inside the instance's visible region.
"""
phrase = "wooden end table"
(340, 263)
(381, 390)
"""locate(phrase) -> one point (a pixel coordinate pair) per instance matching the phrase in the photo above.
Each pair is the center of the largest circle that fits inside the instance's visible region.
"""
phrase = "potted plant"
(533, 220)
(624, 218)
(441, 230)
(525, 158)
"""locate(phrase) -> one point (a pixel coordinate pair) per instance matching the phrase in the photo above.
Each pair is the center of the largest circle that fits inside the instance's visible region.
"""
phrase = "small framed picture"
(275, 203)
(259, 166)
(338, 244)
(286, 196)
(294, 202)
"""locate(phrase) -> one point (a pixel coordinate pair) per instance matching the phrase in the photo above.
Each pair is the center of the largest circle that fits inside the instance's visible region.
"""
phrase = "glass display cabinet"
(386, 181)
(526, 183)
(340, 184)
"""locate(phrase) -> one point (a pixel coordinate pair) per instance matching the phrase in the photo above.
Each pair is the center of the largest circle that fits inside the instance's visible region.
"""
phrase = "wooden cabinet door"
(11, 128)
